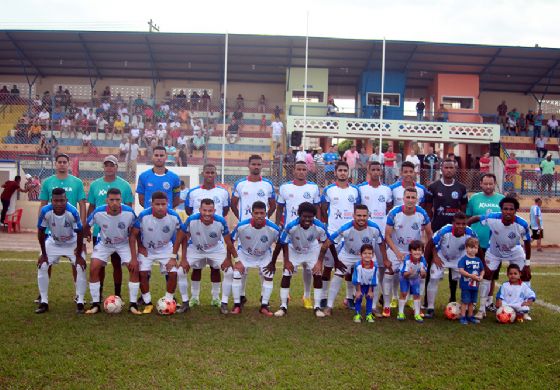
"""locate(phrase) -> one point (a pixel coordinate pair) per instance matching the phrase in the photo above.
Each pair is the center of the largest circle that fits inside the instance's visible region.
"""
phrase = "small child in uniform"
(471, 269)
(516, 294)
(365, 280)
(413, 271)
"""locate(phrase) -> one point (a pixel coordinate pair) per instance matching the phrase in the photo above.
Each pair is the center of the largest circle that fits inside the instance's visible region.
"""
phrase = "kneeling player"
(515, 293)
(65, 240)
(412, 271)
(154, 231)
(115, 221)
(255, 238)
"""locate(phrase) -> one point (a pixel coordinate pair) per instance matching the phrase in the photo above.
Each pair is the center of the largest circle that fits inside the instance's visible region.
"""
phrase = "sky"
(495, 22)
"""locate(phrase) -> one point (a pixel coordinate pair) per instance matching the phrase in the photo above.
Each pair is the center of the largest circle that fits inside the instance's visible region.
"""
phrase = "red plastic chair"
(14, 221)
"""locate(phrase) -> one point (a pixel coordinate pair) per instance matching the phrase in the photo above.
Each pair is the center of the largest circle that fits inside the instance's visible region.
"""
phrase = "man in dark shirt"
(9, 187)
(431, 162)
(420, 106)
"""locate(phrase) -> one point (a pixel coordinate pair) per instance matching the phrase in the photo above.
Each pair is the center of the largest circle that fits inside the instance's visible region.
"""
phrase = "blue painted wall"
(371, 82)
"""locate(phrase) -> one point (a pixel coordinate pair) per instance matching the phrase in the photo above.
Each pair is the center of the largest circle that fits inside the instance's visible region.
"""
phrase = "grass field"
(203, 349)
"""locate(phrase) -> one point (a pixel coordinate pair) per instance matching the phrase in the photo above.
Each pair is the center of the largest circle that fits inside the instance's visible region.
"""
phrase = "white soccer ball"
(505, 315)
(166, 307)
(453, 311)
(113, 304)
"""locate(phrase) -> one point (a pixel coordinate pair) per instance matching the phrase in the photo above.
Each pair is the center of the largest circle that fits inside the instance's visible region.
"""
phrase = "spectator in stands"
(262, 104)
(175, 133)
(32, 186)
(37, 104)
(277, 112)
(351, 157)
(420, 107)
(106, 94)
(134, 151)
(161, 135)
(10, 187)
(530, 120)
(547, 173)
(34, 130)
(53, 147)
(44, 117)
(92, 120)
(376, 156)
(198, 141)
(149, 113)
(135, 134)
(183, 139)
(413, 158)
(332, 109)
(118, 127)
(14, 92)
(103, 126)
(182, 156)
(301, 154)
(502, 110)
(540, 145)
(86, 142)
(277, 130)
(233, 131)
(390, 160)
(522, 124)
(552, 125)
(67, 127)
(442, 114)
(310, 162)
(205, 101)
(539, 118)
(485, 164)
(431, 164)
(139, 102)
(181, 95)
(43, 147)
(149, 135)
(4, 94)
(22, 133)
(123, 148)
(362, 165)
(238, 116)
(239, 103)
(511, 167)
(319, 161)
(195, 99)
(171, 152)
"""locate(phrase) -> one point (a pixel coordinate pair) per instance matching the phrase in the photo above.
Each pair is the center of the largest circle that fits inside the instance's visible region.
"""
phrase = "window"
(131, 91)
(312, 97)
(458, 102)
(189, 91)
(410, 107)
(389, 99)
(345, 106)
(548, 106)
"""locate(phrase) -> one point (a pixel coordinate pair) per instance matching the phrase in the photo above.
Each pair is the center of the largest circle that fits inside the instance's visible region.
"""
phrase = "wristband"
(527, 263)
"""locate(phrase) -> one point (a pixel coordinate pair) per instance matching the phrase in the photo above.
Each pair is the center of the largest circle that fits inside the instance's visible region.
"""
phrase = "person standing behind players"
(331, 158)
(290, 196)
(445, 197)
(407, 180)
(220, 198)
(158, 178)
(337, 208)
(116, 221)
(65, 240)
(484, 203)
(97, 197)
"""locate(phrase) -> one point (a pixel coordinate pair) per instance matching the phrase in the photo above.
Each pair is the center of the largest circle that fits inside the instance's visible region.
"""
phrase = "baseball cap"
(111, 158)
(28, 176)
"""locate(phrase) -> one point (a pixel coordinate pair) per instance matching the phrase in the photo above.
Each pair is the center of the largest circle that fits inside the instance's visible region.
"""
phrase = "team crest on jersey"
(511, 236)
(166, 185)
(121, 225)
(213, 235)
(455, 195)
(260, 194)
(105, 226)
(66, 224)
(216, 200)
(366, 240)
(351, 198)
(381, 199)
(415, 226)
(166, 229)
(150, 229)
(264, 239)
(310, 238)
(306, 195)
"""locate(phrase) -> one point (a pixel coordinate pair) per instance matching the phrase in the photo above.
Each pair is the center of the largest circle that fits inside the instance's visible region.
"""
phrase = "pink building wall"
(458, 85)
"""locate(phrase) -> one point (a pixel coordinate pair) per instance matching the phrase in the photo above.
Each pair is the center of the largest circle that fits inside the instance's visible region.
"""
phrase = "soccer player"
(447, 248)
(159, 178)
(471, 269)
(337, 208)
(515, 293)
(507, 231)
(407, 180)
(220, 198)
(412, 271)
(484, 203)
(255, 238)
(290, 196)
(97, 197)
(65, 240)
(404, 224)
(299, 242)
(353, 235)
(444, 198)
(205, 236)
(365, 280)
(116, 221)
(154, 231)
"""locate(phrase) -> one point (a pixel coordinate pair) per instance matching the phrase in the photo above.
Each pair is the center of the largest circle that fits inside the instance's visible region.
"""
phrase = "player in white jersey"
(404, 224)
(255, 237)
(407, 180)
(154, 231)
(220, 197)
(65, 240)
(115, 221)
(290, 196)
(205, 236)
(353, 235)
(337, 208)
(516, 294)
(447, 247)
(507, 231)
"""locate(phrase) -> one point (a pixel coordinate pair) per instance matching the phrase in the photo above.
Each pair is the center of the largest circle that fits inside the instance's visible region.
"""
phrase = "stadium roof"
(259, 58)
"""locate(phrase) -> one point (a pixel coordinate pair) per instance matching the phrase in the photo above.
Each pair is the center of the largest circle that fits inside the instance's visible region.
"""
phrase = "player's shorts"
(538, 234)
(306, 260)
(411, 286)
(469, 296)
(199, 260)
(437, 272)
(161, 258)
(103, 252)
(493, 262)
(329, 259)
(395, 263)
(255, 262)
(519, 308)
(349, 261)
(55, 252)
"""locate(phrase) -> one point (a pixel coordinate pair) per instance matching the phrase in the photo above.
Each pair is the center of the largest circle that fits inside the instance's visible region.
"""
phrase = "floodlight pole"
(305, 80)
(381, 103)
(224, 109)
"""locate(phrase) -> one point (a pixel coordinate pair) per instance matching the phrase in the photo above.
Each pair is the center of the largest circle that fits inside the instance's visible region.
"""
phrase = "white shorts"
(255, 262)
(103, 253)
(493, 262)
(329, 260)
(348, 261)
(276, 138)
(437, 273)
(306, 260)
(162, 259)
(395, 263)
(55, 252)
(199, 260)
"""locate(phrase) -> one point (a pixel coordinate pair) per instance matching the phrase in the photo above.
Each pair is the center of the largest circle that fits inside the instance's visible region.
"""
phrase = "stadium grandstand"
(90, 94)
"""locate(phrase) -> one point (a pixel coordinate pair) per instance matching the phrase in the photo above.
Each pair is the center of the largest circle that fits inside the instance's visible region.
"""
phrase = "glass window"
(312, 97)
(458, 102)
(389, 99)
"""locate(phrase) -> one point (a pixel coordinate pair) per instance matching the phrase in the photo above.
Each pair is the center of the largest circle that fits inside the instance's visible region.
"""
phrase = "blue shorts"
(469, 296)
(411, 286)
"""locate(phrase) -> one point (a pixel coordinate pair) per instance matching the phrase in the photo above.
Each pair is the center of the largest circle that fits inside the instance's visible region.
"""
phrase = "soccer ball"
(166, 307)
(452, 311)
(505, 315)
(113, 304)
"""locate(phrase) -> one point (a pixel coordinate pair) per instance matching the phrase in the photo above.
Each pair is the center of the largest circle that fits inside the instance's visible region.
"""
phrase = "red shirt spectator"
(511, 165)
(391, 156)
(175, 133)
(485, 163)
(10, 187)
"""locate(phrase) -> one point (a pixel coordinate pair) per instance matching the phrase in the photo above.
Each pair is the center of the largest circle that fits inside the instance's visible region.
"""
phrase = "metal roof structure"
(264, 59)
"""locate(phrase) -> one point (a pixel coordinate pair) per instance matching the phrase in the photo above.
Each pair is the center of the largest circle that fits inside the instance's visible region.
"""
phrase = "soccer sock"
(317, 296)
(369, 305)
(236, 287)
(261, 278)
(195, 289)
(358, 305)
(226, 285)
(244, 284)
(147, 298)
(452, 288)
(349, 290)
(216, 290)
(326, 288)
(336, 282)
(307, 280)
(431, 292)
(484, 290)
(267, 291)
(81, 284)
(387, 290)
(402, 302)
(422, 288)
(94, 290)
(133, 288)
(118, 289)
(43, 282)
(168, 296)
(284, 293)
(395, 286)
(416, 307)
(183, 284)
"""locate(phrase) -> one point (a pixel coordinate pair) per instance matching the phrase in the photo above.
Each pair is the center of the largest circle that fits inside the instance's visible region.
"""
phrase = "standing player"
(507, 230)
(447, 247)
(290, 196)
(154, 231)
(220, 198)
(484, 203)
(444, 198)
(116, 221)
(97, 197)
(255, 238)
(412, 271)
(337, 208)
(407, 180)
(404, 225)
(65, 240)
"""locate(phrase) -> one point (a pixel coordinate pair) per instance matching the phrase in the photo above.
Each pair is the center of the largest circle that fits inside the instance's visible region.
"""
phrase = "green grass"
(203, 349)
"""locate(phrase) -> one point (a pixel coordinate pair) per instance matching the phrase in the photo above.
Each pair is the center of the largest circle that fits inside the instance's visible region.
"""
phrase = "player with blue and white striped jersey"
(407, 180)
(154, 231)
(255, 237)
(65, 240)
(507, 232)
(447, 247)
(115, 221)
